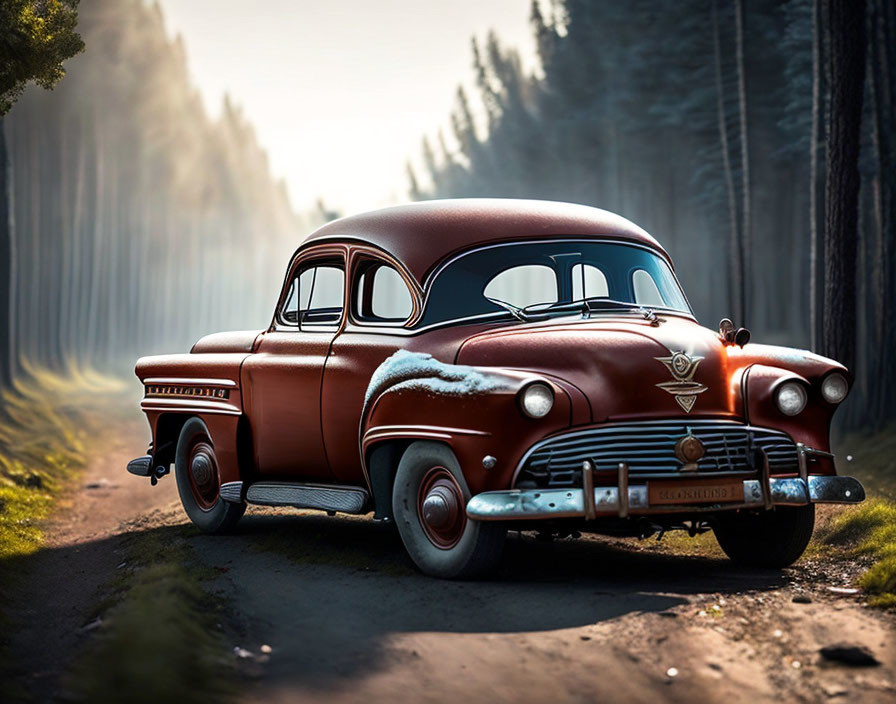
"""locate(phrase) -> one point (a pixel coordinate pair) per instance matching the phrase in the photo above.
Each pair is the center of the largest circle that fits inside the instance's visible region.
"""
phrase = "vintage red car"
(461, 367)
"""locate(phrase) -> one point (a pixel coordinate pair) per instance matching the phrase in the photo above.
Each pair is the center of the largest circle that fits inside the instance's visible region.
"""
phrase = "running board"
(347, 499)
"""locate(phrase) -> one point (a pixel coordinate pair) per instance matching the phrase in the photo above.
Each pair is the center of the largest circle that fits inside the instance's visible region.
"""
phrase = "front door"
(282, 380)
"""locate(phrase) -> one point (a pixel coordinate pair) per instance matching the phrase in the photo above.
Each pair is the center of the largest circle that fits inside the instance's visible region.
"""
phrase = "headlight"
(536, 400)
(834, 388)
(791, 398)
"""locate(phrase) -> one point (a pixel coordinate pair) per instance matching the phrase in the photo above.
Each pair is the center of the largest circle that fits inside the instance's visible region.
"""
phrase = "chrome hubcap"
(440, 506)
(204, 475)
(201, 468)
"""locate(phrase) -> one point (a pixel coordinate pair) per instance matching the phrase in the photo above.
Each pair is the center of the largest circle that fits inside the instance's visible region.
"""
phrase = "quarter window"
(381, 294)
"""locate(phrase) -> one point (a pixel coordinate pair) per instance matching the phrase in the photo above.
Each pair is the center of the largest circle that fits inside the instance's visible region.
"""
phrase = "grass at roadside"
(158, 638)
(869, 529)
(46, 422)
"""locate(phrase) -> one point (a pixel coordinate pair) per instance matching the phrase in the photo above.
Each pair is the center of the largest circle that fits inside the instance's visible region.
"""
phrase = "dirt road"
(343, 616)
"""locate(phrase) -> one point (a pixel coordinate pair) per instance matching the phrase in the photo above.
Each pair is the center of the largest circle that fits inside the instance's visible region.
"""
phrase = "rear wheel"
(198, 481)
(774, 538)
(429, 500)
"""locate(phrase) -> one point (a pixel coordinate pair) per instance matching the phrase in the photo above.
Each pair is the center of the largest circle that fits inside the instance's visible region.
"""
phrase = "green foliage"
(36, 36)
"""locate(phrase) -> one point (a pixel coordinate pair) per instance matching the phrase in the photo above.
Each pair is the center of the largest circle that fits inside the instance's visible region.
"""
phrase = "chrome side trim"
(535, 504)
(232, 492)
(181, 381)
(187, 405)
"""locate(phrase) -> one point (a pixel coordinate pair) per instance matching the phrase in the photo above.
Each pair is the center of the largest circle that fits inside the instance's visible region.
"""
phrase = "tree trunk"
(735, 261)
(814, 234)
(845, 25)
(7, 336)
(881, 45)
(746, 246)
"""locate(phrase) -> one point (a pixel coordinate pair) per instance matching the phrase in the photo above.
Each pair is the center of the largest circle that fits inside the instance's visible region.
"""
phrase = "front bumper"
(527, 504)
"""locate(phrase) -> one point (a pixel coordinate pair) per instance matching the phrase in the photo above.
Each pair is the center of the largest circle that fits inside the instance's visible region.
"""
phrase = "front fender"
(474, 410)
(811, 427)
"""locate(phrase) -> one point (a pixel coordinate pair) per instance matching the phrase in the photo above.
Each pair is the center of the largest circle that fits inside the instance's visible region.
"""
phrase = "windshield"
(525, 280)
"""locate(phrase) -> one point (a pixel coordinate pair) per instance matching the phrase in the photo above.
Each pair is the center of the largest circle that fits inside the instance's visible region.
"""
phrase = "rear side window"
(524, 285)
(381, 294)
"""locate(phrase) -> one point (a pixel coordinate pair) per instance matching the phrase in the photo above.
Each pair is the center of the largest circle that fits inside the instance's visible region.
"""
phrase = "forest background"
(755, 140)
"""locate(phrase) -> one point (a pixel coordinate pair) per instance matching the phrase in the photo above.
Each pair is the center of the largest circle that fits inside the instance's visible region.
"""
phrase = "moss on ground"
(45, 421)
(869, 529)
(159, 639)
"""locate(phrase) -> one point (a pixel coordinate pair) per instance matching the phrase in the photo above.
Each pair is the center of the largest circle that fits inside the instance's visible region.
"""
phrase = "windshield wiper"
(580, 303)
(518, 313)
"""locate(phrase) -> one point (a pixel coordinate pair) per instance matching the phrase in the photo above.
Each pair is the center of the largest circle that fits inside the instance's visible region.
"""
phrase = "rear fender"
(177, 387)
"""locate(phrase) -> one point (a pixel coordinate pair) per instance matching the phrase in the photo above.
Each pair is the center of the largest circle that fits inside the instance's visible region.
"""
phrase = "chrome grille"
(649, 450)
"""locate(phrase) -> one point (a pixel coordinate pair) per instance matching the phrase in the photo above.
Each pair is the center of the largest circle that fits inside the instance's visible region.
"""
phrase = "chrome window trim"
(356, 321)
(501, 317)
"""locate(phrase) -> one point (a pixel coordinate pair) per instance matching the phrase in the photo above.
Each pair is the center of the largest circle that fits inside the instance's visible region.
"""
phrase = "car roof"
(422, 235)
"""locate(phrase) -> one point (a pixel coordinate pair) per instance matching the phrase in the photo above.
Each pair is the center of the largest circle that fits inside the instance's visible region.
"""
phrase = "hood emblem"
(684, 388)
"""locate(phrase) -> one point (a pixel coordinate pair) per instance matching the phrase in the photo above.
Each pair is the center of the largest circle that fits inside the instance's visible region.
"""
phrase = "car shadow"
(328, 593)
(331, 595)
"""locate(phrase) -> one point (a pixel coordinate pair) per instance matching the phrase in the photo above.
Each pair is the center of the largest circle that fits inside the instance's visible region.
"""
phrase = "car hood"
(626, 367)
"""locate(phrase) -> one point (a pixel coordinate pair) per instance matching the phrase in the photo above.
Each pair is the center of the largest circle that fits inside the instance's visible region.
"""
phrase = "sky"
(341, 92)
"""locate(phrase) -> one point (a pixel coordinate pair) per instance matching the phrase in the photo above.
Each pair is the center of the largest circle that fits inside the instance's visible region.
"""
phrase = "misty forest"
(754, 140)
(142, 208)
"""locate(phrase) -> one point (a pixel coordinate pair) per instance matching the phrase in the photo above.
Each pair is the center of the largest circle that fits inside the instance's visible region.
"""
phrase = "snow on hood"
(416, 370)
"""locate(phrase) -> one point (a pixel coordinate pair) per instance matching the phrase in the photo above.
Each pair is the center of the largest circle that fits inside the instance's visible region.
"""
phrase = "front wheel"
(198, 481)
(429, 500)
(775, 538)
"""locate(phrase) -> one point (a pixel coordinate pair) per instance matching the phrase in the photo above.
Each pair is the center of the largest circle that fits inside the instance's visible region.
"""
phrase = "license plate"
(705, 492)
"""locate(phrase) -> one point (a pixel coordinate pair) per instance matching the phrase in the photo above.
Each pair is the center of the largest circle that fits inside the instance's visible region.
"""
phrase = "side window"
(646, 291)
(524, 285)
(382, 295)
(315, 296)
(595, 283)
